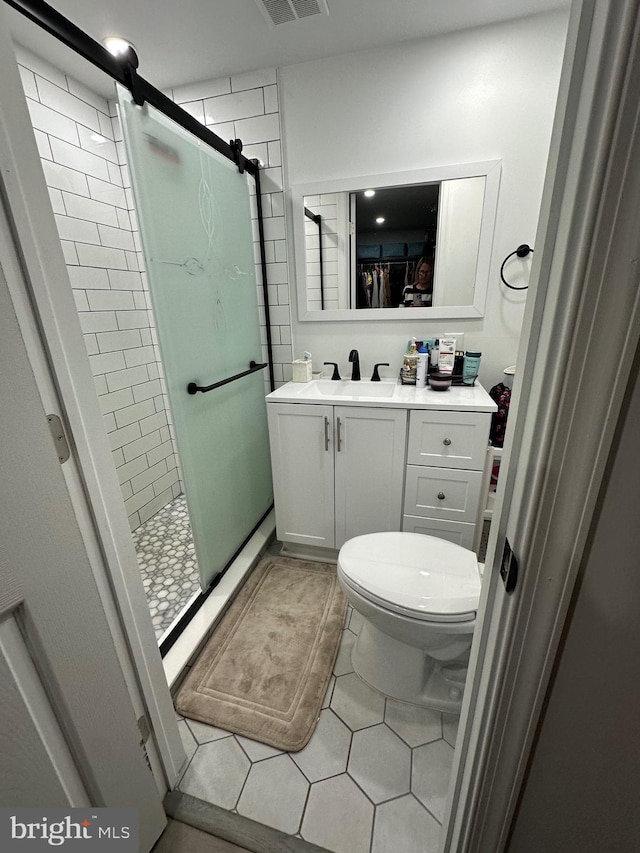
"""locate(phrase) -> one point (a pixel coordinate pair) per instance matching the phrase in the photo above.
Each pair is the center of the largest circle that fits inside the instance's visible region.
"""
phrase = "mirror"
(406, 245)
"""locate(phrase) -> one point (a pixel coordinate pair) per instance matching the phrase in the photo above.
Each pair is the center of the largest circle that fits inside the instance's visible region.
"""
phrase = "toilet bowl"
(418, 596)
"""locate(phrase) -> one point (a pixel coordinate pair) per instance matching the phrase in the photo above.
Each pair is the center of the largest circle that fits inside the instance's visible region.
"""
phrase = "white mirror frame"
(489, 169)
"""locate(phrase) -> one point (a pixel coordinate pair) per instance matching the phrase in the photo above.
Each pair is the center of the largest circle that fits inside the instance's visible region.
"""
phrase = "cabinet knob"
(447, 442)
(441, 496)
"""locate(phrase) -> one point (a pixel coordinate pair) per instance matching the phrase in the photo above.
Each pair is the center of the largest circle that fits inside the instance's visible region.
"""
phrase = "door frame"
(66, 651)
(580, 334)
(49, 322)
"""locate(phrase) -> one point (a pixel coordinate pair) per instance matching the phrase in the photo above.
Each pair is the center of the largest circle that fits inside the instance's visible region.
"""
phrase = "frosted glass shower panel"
(195, 223)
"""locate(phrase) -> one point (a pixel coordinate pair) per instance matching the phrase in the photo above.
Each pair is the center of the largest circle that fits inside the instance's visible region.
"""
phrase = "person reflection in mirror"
(419, 293)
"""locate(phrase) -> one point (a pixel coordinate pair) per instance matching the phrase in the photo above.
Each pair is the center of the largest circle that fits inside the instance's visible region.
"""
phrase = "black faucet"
(375, 376)
(336, 374)
(355, 358)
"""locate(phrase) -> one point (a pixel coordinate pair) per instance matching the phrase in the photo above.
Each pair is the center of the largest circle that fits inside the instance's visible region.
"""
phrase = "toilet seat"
(412, 574)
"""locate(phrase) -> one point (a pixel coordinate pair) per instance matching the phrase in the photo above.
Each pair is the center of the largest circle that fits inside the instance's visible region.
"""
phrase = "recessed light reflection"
(379, 219)
(369, 193)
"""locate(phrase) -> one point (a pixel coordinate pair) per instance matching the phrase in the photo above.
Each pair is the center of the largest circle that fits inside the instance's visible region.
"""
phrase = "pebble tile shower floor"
(373, 778)
(167, 560)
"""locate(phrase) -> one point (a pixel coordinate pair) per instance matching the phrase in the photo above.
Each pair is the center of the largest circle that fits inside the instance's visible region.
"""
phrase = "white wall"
(93, 208)
(482, 94)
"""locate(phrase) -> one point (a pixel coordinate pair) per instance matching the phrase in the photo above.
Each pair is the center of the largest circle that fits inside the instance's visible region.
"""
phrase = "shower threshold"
(201, 625)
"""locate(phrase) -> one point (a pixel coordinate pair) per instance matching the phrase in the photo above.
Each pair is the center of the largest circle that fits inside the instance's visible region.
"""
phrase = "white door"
(94, 659)
(68, 727)
(369, 470)
(301, 440)
(37, 766)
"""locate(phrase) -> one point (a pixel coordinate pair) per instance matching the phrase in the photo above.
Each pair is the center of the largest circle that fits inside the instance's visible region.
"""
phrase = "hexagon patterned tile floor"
(373, 778)
(167, 560)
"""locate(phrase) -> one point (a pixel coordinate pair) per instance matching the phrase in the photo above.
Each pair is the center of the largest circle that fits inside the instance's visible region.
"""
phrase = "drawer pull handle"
(447, 442)
(441, 496)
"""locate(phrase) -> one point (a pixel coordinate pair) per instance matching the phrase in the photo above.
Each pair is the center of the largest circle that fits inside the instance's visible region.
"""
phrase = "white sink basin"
(349, 388)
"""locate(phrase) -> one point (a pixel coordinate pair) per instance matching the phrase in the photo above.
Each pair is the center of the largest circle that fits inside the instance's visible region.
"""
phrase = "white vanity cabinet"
(446, 456)
(338, 471)
(351, 457)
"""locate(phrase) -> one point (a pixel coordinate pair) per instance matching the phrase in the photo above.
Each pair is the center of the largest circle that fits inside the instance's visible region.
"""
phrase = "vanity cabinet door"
(301, 440)
(369, 462)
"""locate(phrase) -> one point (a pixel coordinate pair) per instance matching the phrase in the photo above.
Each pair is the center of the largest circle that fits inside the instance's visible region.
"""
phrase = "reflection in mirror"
(316, 218)
(385, 247)
(393, 231)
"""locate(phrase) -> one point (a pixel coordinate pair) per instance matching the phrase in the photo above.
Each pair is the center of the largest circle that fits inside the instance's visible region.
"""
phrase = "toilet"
(418, 596)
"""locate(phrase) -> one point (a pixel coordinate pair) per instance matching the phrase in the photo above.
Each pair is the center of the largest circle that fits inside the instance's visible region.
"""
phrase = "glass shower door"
(195, 223)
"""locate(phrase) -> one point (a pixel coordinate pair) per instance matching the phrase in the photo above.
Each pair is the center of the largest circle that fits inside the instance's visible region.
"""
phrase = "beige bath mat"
(265, 670)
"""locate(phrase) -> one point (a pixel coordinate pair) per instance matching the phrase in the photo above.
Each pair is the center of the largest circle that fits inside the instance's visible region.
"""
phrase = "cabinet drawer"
(458, 532)
(442, 493)
(448, 439)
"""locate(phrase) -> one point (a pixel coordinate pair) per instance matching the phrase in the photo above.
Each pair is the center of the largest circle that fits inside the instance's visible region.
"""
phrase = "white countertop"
(388, 393)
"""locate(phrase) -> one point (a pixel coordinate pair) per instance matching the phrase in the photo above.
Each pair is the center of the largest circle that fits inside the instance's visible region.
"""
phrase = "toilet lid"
(426, 576)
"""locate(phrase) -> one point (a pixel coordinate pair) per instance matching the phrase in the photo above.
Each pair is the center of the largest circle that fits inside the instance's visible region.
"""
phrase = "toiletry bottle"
(423, 366)
(471, 367)
(446, 355)
(410, 364)
(435, 351)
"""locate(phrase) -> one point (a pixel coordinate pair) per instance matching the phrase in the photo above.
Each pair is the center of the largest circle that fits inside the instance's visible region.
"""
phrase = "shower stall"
(193, 207)
(159, 229)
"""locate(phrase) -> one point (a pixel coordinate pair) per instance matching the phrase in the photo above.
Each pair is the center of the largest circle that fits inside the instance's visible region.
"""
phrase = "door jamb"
(583, 301)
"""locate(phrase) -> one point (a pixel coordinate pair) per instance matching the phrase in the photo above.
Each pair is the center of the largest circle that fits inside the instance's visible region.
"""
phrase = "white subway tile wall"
(245, 106)
(88, 185)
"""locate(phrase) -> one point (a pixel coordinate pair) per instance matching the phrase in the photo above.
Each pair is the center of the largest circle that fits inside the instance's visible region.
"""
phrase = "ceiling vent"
(282, 11)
